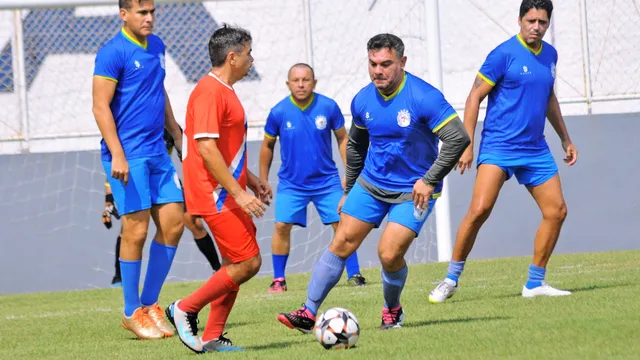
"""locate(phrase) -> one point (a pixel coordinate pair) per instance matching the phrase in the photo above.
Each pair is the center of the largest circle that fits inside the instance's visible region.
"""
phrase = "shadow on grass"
(276, 345)
(599, 287)
(453, 321)
(514, 295)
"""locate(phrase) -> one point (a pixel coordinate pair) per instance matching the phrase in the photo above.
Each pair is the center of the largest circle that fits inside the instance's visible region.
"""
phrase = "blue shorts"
(291, 208)
(529, 169)
(152, 181)
(363, 206)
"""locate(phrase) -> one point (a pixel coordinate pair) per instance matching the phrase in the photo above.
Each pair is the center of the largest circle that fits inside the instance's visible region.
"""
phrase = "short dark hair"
(388, 41)
(313, 73)
(527, 5)
(224, 40)
(127, 4)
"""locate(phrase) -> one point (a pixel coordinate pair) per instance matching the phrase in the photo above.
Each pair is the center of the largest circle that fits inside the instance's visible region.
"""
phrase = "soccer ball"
(337, 328)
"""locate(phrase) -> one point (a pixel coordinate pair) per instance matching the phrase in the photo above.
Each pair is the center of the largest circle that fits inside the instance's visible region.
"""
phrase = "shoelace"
(192, 320)
(302, 312)
(388, 316)
(145, 321)
(445, 287)
(223, 340)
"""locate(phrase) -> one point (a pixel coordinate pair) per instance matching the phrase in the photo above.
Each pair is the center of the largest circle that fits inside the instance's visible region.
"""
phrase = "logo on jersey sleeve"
(162, 60)
(321, 122)
(553, 70)
(404, 118)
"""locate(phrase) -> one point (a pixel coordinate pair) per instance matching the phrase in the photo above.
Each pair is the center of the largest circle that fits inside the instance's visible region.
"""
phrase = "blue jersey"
(523, 82)
(305, 144)
(139, 100)
(402, 140)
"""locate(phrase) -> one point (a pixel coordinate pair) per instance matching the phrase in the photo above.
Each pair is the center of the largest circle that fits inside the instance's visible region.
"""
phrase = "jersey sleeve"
(208, 112)
(109, 64)
(272, 127)
(494, 67)
(356, 117)
(436, 110)
(337, 119)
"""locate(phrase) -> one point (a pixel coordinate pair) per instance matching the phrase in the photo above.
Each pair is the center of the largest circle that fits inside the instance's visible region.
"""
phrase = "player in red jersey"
(214, 162)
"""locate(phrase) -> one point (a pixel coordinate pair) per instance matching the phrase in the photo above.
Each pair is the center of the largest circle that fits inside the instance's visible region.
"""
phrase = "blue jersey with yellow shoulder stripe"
(138, 104)
(402, 140)
(305, 144)
(522, 81)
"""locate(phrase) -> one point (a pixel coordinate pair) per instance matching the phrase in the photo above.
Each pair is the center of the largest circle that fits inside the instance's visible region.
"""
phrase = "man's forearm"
(455, 140)
(471, 111)
(356, 153)
(170, 122)
(107, 127)
(342, 147)
(554, 114)
(266, 157)
(214, 162)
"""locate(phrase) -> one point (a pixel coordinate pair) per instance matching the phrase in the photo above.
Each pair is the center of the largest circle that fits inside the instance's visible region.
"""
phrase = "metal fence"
(47, 50)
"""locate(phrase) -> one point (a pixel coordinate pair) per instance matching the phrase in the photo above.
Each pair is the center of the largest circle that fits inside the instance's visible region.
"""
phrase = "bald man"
(304, 121)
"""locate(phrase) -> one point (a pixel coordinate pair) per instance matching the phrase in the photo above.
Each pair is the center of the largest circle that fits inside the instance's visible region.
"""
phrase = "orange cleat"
(156, 314)
(142, 325)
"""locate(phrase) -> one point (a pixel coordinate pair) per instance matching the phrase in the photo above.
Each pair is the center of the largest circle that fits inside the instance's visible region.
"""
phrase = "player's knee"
(198, 224)
(479, 213)
(283, 229)
(175, 227)
(252, 266)
(389, 258)
(343, 245)
(193, 223)
(134, 235)
(557, 212)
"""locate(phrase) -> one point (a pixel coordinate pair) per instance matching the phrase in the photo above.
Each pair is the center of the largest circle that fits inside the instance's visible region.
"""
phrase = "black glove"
(109, 210)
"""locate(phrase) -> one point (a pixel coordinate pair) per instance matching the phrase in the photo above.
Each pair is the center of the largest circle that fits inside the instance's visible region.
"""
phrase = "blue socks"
(353, 267)
(392, 285)
(536, 276)
(279, 264)
(160, 260)
(325, 276)
(455, 270)
(130, 272)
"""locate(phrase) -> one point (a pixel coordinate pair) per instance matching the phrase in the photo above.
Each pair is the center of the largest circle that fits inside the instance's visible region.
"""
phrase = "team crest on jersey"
(321, 122)
(404, 118)
(553, 70)
(162, 60)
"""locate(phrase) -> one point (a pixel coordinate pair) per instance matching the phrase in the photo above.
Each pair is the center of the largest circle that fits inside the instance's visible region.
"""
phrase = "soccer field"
(486, 319)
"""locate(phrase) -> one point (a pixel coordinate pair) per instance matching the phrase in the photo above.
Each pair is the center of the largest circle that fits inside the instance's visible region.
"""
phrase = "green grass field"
(487, 319)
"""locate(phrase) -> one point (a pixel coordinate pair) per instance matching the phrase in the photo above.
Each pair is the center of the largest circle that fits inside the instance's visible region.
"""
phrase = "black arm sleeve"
(455, 140)
(357, 147)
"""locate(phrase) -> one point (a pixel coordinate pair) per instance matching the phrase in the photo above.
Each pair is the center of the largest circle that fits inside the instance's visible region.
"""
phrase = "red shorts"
(235, 234)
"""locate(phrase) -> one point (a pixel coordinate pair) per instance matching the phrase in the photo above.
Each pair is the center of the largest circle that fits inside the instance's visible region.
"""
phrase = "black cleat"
(357, 280)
